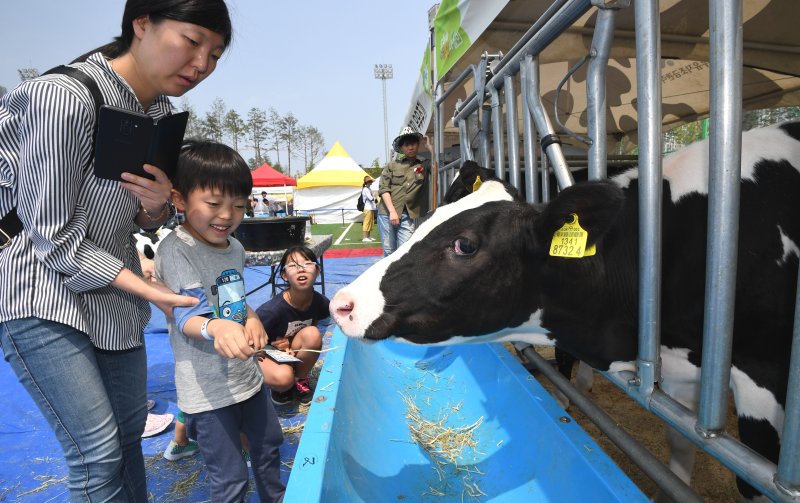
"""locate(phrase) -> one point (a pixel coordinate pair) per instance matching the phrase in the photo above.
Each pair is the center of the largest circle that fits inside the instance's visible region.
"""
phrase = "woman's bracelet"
(164, 209)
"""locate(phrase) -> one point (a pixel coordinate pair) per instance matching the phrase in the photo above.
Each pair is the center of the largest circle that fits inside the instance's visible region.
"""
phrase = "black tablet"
(127, 140)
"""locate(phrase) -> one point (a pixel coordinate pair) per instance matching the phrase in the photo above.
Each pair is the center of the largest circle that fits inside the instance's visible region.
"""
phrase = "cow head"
(465, 183)
(471, 270)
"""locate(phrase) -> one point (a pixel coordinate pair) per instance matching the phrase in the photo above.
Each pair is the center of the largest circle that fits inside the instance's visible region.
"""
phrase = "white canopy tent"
(329, 192)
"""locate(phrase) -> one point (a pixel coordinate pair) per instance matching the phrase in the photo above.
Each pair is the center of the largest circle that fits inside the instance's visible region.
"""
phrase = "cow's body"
(479, 270)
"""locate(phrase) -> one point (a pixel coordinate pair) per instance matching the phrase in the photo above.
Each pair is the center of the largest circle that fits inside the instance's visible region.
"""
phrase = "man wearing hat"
(401, 193)
(369, 209)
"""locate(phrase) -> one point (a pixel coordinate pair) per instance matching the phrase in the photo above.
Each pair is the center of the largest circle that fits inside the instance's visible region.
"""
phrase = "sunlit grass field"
(346, 236)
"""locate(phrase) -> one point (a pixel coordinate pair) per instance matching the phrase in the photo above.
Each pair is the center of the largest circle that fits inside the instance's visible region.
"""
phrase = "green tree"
(193, 125)
(311, 142)
(289, 136)
(213, 122)
(256, 132)
(234, 126)
(273, 132)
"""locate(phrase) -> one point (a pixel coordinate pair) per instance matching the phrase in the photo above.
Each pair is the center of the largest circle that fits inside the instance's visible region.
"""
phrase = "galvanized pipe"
(724, 180)
(739, 458)
(788, 477)
(485, 149)
(669, 483)
(648, 84)
(596, 92)
(512, 131)
(528, 136)
(549, 140)
(497, 133)
(546, 32)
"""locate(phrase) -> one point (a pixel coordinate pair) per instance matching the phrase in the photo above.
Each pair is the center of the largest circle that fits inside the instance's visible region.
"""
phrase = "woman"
(370, 208)
(73, 305)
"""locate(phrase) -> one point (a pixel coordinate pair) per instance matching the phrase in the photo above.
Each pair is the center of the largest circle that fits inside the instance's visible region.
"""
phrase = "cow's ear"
(595, 203)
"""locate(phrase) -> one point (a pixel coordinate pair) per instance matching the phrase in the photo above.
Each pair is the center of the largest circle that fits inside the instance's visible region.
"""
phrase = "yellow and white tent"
(330, 190)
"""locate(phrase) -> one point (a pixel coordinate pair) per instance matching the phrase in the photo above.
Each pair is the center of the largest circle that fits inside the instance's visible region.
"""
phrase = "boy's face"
(410, 148)
(210, 216)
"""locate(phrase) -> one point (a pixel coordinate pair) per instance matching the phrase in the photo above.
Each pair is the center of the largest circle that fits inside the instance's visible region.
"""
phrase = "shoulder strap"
(87, 81)
(10, 224)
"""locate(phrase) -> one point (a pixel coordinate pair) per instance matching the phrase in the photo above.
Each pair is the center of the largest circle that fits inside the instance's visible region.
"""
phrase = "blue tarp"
(32, 466)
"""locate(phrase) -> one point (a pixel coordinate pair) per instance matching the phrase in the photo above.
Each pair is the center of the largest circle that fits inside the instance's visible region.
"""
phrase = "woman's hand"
(152, 194)
(165, 299)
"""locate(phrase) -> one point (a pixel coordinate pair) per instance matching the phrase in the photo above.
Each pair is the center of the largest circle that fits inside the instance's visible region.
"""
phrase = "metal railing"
(706, 427)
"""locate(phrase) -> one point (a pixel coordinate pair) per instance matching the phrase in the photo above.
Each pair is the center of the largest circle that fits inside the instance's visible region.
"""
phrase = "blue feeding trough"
(397, 422)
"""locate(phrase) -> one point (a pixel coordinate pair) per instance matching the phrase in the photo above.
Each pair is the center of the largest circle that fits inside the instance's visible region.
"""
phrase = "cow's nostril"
(345, 309)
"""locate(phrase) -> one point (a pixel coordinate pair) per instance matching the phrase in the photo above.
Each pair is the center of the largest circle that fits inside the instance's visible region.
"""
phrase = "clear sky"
(313, 58)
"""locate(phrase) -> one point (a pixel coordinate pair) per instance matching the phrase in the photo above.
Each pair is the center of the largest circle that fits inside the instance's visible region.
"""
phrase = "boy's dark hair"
(211, 165)
(210, 14)
(303, 251)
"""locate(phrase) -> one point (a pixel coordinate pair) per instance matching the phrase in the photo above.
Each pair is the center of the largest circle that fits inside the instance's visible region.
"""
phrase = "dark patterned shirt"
(77, 228)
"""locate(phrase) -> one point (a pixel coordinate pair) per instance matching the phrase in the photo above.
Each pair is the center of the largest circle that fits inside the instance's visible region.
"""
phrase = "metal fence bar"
(648, 84)
(596, 91)
(512, 133)
(670, 484)
(736, 456)
(725, 160)
(497, 133)
(549, 140)
(528, 136)
(546, 30)
(788, 477)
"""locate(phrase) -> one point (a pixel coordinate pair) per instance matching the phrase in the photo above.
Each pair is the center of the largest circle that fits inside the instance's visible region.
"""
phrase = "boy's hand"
(256, 335)
(230, 339)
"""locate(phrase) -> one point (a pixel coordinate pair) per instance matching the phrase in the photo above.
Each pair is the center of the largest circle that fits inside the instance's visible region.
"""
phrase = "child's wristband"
(204, 330)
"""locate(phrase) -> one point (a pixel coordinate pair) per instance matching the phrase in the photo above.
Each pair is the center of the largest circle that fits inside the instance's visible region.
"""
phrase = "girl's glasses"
(294, 266)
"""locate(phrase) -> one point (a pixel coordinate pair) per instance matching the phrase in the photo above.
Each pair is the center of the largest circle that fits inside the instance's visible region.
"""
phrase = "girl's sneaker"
(282, 397)
(304, 391)
(175, 452)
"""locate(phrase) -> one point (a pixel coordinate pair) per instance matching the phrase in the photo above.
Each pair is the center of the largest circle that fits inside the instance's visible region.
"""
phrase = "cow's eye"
(463, 246)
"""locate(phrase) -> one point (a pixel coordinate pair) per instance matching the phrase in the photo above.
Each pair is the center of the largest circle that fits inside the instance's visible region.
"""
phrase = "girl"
(290, 320)
(73, 306)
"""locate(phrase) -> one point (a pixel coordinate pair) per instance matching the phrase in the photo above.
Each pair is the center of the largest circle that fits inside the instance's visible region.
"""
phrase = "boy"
(401, 193)
(219, 384)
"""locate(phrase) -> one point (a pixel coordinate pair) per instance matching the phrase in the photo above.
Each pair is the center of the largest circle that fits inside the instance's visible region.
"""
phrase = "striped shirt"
(77, 228)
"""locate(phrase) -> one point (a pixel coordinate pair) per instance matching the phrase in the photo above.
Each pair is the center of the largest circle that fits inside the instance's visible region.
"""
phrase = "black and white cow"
(479, 270)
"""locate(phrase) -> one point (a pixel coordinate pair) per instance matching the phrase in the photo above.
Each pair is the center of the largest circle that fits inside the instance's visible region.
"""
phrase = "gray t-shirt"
(204, 379)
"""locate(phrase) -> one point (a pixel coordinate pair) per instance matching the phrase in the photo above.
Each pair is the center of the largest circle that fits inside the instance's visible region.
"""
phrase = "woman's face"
(173, 57)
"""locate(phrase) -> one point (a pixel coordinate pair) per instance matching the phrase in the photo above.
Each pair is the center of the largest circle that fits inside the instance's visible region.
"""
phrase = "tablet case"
(126, 140)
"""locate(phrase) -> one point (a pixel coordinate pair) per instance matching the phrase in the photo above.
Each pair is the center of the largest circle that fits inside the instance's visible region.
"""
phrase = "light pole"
(384, 72)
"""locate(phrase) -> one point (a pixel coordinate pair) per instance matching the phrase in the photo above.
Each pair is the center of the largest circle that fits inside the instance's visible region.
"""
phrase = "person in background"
(370, 209)
(219, 384)
(181, 446)
(73, 304)
(402, 198)
(291, 320)
(260, 209)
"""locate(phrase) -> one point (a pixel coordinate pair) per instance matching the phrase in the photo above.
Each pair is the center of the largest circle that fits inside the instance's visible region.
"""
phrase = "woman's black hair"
(210, 165)
(304, 251)
(210, 14)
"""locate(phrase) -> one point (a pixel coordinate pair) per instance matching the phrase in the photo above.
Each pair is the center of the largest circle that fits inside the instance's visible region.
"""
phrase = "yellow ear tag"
(477, 184)
(570, 241)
